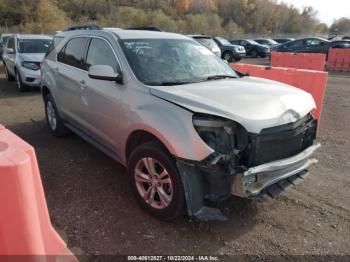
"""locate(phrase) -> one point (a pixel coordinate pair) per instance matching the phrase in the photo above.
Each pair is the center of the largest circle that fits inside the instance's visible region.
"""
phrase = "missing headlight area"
(227, 138)
(245, 164)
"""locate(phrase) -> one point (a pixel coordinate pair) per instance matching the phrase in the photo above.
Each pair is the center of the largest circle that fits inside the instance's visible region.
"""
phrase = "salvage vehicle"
(189, 129)
(230, 52)
(22, 57)
(253, 49)
(208, 42)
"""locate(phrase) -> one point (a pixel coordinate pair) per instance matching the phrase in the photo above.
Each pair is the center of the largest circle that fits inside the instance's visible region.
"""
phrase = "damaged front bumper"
(254, 180)
(203, 184)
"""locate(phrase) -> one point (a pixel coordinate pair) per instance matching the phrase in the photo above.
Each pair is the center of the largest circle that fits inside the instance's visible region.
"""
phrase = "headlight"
(289, 116)
(30, 65)
(237, 49)
(224, 136)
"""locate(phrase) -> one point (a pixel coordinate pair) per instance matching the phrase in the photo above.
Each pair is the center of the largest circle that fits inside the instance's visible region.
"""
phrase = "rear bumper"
(253, 181)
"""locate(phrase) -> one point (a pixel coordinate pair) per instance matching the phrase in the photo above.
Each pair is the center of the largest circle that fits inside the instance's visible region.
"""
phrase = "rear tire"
(159, 191)
(254, 54)
(53, 120)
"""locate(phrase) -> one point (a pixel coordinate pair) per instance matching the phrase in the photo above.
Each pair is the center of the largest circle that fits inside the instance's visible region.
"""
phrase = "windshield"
(252, 42)
(272, 41)
(208, 42)
(223, 41)
(33, 45)
(173, 61)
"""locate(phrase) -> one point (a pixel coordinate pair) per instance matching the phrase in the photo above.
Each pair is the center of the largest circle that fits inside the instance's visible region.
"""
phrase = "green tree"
(340, 26)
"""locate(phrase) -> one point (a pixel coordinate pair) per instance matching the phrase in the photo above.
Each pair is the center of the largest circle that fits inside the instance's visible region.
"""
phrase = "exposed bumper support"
(252, 181)
(210, 183)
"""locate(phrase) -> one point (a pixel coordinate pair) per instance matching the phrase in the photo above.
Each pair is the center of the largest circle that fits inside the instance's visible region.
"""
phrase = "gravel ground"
(91, 204)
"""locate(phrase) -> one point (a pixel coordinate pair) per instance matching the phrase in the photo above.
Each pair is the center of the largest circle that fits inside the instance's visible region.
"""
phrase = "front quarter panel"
(171, 124)
(49, 77)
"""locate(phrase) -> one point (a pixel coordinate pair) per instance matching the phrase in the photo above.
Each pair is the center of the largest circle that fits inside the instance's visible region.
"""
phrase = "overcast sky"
(328, 10)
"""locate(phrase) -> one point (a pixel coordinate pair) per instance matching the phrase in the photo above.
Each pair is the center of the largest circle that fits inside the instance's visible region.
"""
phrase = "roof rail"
(147, 28)
(83, 27)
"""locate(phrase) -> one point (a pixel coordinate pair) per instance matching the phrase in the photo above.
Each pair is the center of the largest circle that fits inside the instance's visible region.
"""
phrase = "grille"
(37, 63)
(280, 142)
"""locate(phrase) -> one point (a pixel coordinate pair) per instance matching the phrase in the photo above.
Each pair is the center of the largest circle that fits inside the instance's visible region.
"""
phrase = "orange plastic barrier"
(338, 59)
(25, 226)
(313, 82)
(299, 60)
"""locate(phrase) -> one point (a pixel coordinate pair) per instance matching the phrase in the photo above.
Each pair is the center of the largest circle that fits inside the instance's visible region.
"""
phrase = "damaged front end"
(245, 164)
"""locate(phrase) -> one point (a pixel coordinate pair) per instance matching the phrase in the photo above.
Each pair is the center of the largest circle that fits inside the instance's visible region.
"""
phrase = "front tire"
(227, 56)
(20, 85)
(254, 54)
(53, 120)
(156, 181)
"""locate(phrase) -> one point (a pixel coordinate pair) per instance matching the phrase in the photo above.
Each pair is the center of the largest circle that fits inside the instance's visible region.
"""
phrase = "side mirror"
(10, 51)
(104, 72)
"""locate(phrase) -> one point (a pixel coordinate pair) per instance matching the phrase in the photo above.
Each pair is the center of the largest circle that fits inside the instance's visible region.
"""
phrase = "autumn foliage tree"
(217, 17)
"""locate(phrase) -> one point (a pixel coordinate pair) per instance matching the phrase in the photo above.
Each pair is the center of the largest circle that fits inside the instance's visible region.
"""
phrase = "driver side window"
(297, 44)
(100, 53)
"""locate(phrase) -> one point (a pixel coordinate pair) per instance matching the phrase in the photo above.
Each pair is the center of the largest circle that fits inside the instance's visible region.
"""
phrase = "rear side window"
(4, 40)
(11, 43)
(73, 53)
(311, 42)
(100, 53)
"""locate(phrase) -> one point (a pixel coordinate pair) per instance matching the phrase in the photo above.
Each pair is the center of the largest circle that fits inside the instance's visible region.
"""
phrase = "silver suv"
(190, 130)
(22, 57)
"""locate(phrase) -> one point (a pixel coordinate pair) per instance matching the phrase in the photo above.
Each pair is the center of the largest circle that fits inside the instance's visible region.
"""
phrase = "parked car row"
(312, 45)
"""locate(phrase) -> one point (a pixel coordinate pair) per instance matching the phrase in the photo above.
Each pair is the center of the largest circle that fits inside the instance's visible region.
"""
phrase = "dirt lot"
(91, 205)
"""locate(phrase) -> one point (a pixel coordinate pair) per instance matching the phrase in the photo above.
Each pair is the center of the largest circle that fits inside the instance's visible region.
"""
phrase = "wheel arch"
(142, 136)
(45, 91)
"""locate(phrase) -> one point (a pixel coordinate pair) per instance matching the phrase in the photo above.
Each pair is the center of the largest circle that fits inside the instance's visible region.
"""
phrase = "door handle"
(83, 84)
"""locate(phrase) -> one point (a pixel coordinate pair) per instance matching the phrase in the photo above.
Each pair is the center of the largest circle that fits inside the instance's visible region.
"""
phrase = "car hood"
(255, 103)
(31, 57)
(264, 46)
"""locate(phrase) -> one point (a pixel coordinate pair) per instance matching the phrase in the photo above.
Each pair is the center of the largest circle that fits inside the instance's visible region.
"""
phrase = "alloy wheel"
(227, 57)
(51, 115)
(153, 183)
